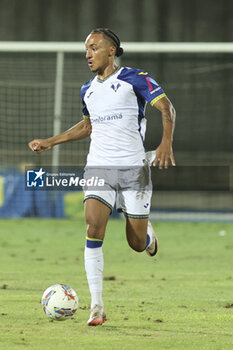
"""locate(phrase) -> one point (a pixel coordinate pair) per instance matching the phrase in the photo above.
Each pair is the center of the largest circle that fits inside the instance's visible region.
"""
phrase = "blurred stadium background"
(198, 83)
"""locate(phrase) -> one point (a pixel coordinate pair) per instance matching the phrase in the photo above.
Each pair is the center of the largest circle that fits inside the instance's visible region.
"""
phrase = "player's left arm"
(147, 88)
(164, 152)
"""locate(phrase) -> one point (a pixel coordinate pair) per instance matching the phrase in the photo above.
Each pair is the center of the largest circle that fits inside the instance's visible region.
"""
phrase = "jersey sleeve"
(85, 110)
(147, 87)
(83, 92)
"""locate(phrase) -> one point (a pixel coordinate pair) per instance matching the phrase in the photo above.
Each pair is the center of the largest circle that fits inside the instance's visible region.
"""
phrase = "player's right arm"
(79, 131)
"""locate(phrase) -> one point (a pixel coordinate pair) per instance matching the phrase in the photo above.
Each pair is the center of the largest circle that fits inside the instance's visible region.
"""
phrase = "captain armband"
(157, 99)
(86, 116)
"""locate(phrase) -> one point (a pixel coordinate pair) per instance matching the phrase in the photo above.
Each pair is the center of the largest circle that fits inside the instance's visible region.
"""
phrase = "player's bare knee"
(94, 230)
(94, 227)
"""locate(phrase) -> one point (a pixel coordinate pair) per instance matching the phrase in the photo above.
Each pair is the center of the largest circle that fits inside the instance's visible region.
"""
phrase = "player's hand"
(39, 145)
(164, 155)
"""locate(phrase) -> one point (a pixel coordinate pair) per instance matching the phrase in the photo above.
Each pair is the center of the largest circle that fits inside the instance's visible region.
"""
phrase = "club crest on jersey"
(90, 93)
(115, 86)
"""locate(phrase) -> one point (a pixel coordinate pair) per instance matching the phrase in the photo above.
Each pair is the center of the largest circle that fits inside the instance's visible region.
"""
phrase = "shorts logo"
(115, 86)
(146, 205)
(35, 178)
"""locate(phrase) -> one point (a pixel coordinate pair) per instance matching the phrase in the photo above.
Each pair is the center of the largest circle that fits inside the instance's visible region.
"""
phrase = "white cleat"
(154, 246)
(97, 316)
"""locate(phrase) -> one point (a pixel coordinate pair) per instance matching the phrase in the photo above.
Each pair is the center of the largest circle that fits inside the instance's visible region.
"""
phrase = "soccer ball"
(59, 302)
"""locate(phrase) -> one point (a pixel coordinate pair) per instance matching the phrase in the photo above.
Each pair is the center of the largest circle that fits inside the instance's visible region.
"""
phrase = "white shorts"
(129, 189)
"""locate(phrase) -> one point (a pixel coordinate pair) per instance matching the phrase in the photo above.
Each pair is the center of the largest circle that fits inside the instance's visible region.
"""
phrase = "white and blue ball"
(59, 302)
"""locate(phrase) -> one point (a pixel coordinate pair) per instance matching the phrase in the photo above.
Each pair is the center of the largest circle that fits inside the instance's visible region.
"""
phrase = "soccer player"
(113, 111)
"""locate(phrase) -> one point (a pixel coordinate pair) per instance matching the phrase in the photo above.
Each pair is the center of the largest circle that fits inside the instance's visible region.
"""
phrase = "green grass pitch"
(182, 299)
